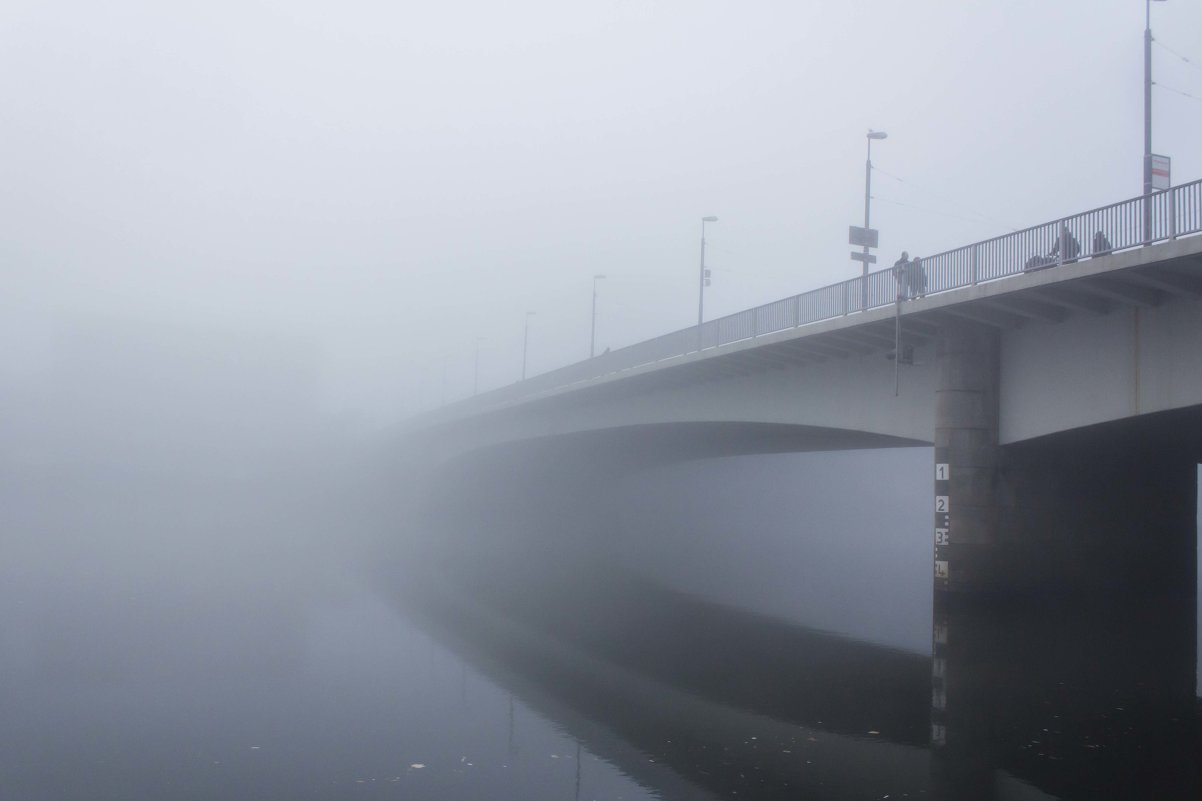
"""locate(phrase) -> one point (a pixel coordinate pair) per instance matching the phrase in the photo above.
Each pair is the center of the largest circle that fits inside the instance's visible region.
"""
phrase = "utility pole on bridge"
(865, 236)
(703, 280)
(1148, 120)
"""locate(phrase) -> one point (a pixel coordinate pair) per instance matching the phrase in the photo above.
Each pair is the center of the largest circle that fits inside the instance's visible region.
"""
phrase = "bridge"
(1056, 371)
(1091, 321)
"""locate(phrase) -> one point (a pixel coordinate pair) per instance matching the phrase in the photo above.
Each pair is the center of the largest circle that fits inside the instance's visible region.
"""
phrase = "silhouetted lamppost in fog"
(526, 342)
(703, 279)
(1148, 119)
(867, 235)
(592, 344)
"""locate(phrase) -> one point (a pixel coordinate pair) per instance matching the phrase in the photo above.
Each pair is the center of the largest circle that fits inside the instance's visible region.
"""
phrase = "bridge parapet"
(1174, 213)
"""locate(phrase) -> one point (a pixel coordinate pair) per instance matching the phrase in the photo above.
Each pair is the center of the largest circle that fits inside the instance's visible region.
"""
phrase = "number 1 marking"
(941, 471)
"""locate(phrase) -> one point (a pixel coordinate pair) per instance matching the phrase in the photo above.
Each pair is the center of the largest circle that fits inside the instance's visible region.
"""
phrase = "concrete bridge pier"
(1052, 557)
(967, 457)
(966, 506)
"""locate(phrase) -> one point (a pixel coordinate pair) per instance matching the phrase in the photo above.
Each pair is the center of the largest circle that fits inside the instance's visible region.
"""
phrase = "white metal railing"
(1173, 213)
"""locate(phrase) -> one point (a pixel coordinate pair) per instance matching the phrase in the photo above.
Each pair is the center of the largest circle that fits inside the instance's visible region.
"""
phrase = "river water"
(768, 637)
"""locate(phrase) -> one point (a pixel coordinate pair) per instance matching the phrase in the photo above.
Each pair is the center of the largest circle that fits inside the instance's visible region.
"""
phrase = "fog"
(390, 182)
(242, 242)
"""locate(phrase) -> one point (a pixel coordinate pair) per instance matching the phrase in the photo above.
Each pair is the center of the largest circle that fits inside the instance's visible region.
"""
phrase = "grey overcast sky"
(388, 181)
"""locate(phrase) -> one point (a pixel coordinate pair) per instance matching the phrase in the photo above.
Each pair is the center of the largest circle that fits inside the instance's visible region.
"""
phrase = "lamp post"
(702, 278)
(1148, 119)
(592, 343)
(867, 207)
(526, 342)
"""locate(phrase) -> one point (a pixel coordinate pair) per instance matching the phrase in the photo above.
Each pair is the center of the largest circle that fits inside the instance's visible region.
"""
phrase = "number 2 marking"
(941, 503)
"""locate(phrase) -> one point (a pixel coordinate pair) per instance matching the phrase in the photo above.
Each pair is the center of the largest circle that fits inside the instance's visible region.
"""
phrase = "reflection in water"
(1067, 698)
(240, 670)
(1081, 696)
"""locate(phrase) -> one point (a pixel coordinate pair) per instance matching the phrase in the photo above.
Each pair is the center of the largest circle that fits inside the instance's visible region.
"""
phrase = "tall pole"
(592, 345)
(701, 280)
(864, 255)
(867, 204)
(1147, 120)
(525, 343)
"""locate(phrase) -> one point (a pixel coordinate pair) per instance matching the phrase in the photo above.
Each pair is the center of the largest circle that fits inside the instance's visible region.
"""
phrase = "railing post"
(796, 309)
(846, 291)
(755, 323)
(1172, 213)
(1060, 232)
(972, 265)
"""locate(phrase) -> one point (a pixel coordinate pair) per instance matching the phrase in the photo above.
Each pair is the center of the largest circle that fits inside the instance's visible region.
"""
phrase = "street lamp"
(1148, 119)
(866, 236)
(592, 343)
(703, 279)
(526, 342)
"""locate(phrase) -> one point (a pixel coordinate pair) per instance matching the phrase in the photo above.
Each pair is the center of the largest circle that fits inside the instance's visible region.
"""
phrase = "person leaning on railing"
(917, 275)
(901, 274)
(1072, 248)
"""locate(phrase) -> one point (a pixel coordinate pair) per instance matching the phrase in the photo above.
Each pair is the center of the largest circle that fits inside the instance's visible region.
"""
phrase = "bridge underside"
(631, 447)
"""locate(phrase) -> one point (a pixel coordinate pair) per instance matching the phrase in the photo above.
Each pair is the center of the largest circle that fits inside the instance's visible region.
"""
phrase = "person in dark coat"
(1072, 248)
(901, 274)
(918, 278)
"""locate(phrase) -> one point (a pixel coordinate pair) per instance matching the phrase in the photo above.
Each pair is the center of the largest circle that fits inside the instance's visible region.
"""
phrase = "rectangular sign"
(865, 257)
(1161, 173)
(861, 237)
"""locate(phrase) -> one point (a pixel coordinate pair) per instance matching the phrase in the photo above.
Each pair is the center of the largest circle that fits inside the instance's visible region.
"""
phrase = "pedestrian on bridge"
(916, 278)
(901, 274)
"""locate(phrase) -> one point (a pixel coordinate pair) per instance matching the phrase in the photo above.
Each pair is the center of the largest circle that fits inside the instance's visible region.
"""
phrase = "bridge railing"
(1171, 213)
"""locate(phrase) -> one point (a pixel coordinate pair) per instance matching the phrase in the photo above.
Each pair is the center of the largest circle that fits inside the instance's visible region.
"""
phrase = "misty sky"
(383, 183)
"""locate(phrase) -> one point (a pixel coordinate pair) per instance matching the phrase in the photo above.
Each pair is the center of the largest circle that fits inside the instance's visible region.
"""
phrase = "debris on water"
(874, 731)
(255, 747)
(416, 766)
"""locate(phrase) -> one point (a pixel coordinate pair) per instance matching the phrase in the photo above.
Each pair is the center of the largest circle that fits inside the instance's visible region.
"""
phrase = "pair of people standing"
(911, 277)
